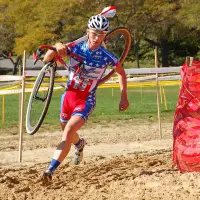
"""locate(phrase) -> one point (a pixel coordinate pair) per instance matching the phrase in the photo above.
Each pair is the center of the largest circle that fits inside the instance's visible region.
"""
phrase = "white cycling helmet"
(99, 23)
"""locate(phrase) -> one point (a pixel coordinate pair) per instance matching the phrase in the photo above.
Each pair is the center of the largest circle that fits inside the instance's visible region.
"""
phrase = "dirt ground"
(123, 160)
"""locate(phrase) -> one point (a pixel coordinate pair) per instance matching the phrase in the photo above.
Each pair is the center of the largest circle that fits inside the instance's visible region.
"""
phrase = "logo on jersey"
(97, 56)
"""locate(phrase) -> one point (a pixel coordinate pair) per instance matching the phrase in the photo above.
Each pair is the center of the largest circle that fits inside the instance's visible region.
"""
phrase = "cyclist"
(85, 73)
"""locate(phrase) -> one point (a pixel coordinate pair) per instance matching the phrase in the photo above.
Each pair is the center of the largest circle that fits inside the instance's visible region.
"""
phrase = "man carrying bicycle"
(88, 62)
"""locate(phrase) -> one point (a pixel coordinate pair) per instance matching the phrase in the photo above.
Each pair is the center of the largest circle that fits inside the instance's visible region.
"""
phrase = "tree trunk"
(137, 55)
(164, 44)
(137, 60)
(17, 65)
(136, 48)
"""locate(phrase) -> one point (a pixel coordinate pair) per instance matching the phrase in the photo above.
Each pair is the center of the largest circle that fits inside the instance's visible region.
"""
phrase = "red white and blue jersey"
(79, 98)
(94, 65)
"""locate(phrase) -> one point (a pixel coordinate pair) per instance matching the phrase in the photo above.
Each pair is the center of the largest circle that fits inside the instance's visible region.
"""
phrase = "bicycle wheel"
(40, 98)
(118, 41)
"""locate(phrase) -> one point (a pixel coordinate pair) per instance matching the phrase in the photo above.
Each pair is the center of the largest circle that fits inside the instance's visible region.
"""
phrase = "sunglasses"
(96, 33)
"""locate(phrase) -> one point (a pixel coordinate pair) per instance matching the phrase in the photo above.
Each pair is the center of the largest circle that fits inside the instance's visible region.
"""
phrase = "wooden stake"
(161, 97)
(112, 88)
(141, 94)
(3, 109)
(165, 99)
(158, 93)
(22, 108)
(19, 113)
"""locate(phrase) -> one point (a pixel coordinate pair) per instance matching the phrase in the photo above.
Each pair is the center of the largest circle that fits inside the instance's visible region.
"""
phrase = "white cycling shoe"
(78, 156)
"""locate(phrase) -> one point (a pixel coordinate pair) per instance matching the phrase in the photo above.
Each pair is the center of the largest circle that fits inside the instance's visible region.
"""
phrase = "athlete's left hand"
(123, 105)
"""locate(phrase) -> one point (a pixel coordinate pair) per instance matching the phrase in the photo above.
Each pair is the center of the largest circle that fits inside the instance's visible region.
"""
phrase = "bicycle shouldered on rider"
(88, 62)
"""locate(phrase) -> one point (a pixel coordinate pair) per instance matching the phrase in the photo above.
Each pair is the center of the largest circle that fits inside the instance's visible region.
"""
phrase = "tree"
(7, 33)
(45, 22)
(165, 23)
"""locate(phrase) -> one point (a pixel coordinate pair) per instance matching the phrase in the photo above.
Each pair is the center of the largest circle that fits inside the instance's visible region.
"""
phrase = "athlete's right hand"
(61, 49)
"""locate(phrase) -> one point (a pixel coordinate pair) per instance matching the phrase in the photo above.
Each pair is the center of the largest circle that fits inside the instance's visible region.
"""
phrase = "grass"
(143, 105)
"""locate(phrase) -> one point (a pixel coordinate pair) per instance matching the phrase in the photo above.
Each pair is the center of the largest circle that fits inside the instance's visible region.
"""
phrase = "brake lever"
(39, 52)
(37, 55)
(36, 60)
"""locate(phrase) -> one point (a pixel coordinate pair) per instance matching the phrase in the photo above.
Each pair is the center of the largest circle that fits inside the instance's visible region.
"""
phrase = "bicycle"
(117, 41)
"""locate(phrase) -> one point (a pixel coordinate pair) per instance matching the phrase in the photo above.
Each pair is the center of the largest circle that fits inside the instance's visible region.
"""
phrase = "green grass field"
(143, 104)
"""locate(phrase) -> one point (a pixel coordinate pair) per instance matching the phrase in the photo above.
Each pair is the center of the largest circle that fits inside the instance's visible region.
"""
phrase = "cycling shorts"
(74, 103)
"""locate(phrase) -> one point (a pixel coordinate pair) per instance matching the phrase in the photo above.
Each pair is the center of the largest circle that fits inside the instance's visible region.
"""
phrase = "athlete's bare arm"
(124, 103)
(61, 51)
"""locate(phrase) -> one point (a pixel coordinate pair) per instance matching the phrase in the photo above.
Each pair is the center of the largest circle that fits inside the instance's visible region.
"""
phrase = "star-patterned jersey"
(86, 77)
(83, 79)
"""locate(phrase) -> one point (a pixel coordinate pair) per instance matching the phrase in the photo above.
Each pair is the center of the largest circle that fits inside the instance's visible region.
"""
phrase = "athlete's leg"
(69, 137)
(79, 146)
(63, 124)
(76, 136)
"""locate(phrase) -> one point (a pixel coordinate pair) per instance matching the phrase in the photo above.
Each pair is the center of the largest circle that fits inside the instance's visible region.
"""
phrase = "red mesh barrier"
(186, 130)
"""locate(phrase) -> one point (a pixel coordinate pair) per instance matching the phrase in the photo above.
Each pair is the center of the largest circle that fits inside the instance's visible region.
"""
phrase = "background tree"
(172, 25)
(7, 33)
(7, 39)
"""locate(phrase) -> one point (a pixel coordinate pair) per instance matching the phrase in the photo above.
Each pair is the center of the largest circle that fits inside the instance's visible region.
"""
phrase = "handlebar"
(40, 51)
(47, 47)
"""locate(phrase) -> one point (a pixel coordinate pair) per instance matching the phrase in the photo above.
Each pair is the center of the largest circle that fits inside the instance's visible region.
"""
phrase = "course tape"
(153, 70)
(115, 79)
(64, 73)
(10, 78)
(111, 85)
(4, 92)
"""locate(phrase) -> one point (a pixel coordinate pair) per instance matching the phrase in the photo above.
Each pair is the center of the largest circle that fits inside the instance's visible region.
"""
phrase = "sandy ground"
(123, 160)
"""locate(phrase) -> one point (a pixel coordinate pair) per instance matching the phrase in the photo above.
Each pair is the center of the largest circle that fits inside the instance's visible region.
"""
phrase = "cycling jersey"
(94, 63)
(85, 73)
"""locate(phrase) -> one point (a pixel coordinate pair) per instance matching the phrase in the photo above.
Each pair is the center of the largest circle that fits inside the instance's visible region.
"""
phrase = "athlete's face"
(95, 38)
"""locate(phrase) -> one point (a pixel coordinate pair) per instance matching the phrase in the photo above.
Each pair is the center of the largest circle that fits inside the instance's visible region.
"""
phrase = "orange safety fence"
(186, 130)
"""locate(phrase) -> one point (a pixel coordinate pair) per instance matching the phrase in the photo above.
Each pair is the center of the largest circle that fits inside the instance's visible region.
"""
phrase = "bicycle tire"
(32, 128)
(127, 44)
